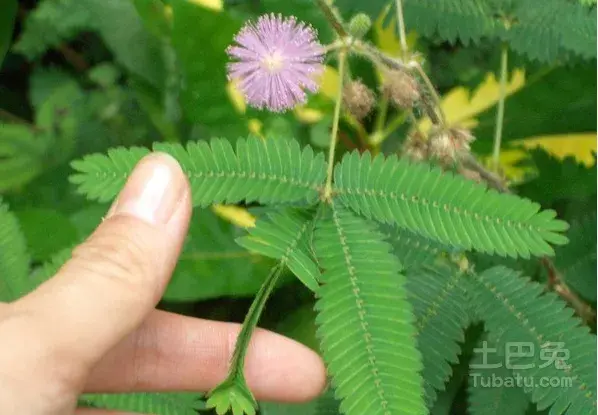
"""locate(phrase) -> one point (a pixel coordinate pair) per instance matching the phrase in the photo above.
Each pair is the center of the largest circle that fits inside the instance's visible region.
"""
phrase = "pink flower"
(277, 59)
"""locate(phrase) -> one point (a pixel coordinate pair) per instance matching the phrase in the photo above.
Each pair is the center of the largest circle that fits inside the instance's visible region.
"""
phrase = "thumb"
(119, 274)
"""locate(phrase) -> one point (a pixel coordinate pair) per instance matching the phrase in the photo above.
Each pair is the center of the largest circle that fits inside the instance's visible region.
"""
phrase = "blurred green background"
(81, 76)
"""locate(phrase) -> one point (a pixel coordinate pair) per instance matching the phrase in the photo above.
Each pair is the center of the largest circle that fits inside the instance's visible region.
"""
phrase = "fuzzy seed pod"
(441, 146)
(462, 137)
(448, 145)
(358, 99)
(401, 88)
(415, 147)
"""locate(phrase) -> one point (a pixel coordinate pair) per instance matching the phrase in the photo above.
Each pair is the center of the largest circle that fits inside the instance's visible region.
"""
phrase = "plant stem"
(492, 179)
(500, 113)
(555, 280)
(332, 18)
(337, 44)
(342, 56)
(372, 53)
(377, 138)
(251, 319)
(401, 27)
(381, 115)
(437, 107)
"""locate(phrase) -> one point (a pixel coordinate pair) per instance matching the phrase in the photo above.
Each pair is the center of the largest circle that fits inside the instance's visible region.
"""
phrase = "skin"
(93, 327)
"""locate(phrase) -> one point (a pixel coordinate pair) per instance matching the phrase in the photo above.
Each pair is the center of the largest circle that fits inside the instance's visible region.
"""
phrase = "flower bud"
(447, 145)
(401, 88)
(359, 25)
(358, 99)
(441, 146)
(415, 147)
(462, 137)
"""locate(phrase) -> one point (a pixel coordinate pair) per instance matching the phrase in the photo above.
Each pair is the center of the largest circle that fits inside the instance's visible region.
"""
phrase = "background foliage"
(82, 76)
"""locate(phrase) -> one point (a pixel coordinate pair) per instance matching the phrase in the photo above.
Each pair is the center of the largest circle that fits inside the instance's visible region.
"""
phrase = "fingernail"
(153, 190)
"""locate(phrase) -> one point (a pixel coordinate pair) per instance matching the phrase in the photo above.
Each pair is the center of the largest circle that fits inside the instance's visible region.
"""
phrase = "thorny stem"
(500, 113)
(251, 319)
(401, 27)
(342, 56)
(492, 179)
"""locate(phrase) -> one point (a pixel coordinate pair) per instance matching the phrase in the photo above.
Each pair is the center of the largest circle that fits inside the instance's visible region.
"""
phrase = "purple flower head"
(276, 60)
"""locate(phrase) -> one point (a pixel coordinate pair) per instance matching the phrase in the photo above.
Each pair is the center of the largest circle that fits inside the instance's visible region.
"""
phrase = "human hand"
(93, 326)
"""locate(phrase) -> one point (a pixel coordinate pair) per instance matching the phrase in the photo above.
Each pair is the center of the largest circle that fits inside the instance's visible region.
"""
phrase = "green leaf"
(116, 21)
(445, 207)
(264, 171)
(233, 396)
(566, 179)
(50, 23)
(58, 116)
(102, 177)
(557, 30)
(559, 100)
(14, 259)
(286, 236)
(104, 74)
(212, 265)
(38, 224)
(200, 37)
(438, 298)
(557, 346)
(577, 261)
(88, 218)
(304, 10)
(466, 20)
(413, 250)
(323, 405)
(154, 15)
(22, 151)
(491, 386)
(366, 323)
(180, 403)
(44, 81)
(121, 27)
(7, 20)
(47, 270)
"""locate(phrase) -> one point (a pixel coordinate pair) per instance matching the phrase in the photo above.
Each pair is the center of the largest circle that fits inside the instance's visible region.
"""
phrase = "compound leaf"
(365, 321)
(438, 298)
(14, 259)
(285, 236)
(264, 171)
(445, 207)
(558, 347)
(487, 396)
(180, 403)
